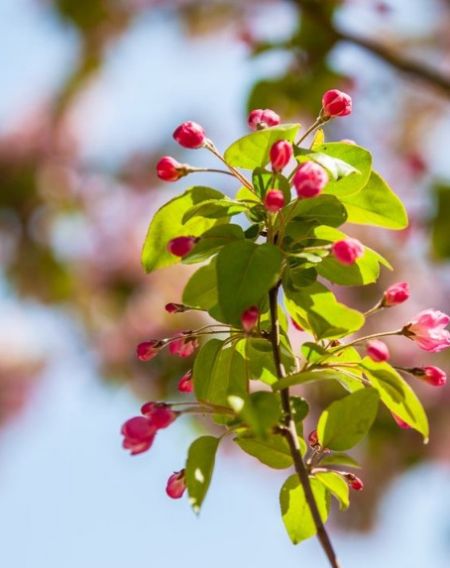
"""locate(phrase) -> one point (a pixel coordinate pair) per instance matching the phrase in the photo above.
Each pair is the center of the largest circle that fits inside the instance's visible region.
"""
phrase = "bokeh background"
(91, 91)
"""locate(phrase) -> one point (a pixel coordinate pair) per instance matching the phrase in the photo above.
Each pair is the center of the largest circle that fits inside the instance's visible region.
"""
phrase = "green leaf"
(337, 486)
(336, 167)
(261, 411)
(304, 377)
(201, 289)
(340, 459)
(295, 510)
(219, 372)
(199, 469)
(396, 394)
(440, 237)
(252, 151)
(297, 277)
(300, 409)
(346, 421)
(316, 309)
(357, 157)
(167, 224)
(214, 209)
(263, 180)
(212, 241)
(322, 210)
(377, 205)
(273, 452)
(245, 273)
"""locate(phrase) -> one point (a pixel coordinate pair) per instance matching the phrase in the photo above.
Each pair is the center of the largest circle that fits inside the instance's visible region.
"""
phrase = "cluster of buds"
(139, 432)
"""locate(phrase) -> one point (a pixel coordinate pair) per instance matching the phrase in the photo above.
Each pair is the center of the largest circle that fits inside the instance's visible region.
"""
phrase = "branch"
(292, 436)
(406, 65)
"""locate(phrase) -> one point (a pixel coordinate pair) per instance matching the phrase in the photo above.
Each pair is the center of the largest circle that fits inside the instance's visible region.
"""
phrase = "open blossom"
(347, 251)
(148, 349)
(169, 169)
(274, 200)
(336, 103)
(427, 329)
(176, 485)
(183, 346)
(249, 318)
(185, 383)
(309, 179)
(280, 155)
(181, 246)
(262, 118)
(434, 376)
(159, 414)
(396, 294)
(377, 350)
(190, 135)
(138, 433)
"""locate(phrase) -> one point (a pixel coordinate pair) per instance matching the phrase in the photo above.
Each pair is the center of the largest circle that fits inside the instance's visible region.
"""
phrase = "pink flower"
(139, 434)
(176, 485)
(313, 438)
(354, 482)
(434, 376)
(148, 349)
(274, 200)
(309, 179)
(280, 155)
(396, 294)
(260, 118)
(249, 318)
(401, 423)
(427, 329)
(377, 350)
(158, 414)
(173, 308)
(185, 383)
(168, 169)
(347, 251)
(190, 135)
(181, 246)
(183, 346)
(336, 103)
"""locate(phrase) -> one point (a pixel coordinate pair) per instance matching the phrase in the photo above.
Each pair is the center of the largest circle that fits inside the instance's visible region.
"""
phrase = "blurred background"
(90, 94)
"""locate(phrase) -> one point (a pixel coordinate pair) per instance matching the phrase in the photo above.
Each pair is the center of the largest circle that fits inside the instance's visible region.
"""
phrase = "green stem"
(210, 146)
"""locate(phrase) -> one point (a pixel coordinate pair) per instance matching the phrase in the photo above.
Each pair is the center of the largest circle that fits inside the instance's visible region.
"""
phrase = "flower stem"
(210, 146)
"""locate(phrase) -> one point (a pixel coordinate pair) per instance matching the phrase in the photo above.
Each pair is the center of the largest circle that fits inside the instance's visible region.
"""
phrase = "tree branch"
(431, 76)
(292, 436)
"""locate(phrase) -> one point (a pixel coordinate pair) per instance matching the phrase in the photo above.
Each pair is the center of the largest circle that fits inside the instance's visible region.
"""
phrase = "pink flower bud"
(354, 482)
(173, 308)
(313, 439)
(347, 251)
(427, 329)
(297, 326)
(148, 349)
(400, 423)
(190, 135)
(185, 383)
(138, 433)
(181, 246)
(260, 118)
(280, 155)
(176, 485)
(336, 103)
(377, 350)
(182, 346)
(249, 318)
(158, 414)
(309, 179)
(434, 376)
(396, 294)
(168, 169)
(274, 200)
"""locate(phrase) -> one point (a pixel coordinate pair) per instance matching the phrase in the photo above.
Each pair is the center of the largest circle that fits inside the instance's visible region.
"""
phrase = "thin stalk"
(210, 170)
(290, 432)
(237, 174)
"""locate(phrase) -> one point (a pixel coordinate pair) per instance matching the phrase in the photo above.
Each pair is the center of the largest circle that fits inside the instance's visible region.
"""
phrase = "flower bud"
(400, 423)
(182, 346)
(190, 135)
(336, 103)
(309, 179)
(148, 349)
(181, 246)
(347, 251)
(159, 414)
(354, 482)
(274, 200)
(168, 169)
(377, 350)
(395, 294)
(138, 433)
(249, 318)
(427, 329)
(297, 326)
(185, 383)
(313, 439)
(176, 485)
(173, 308)
(280, 155)
(434, 376)
(260, 118)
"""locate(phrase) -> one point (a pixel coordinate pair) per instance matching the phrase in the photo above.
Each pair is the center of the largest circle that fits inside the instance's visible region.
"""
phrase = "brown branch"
(404, 64)
(291, 435)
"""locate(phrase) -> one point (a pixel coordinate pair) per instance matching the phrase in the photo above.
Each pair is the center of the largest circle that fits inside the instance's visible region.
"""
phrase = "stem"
(319, 121)
(210, 170)
(210, 146)
(374, 309)
(290, 432)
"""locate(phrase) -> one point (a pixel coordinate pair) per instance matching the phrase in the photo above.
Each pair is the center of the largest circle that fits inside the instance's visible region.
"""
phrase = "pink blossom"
(262, 118)
(377, 350)
(274, 200)
(185, 383)
(159, 414)
(183, 346)
(190, 135)
(249, 318)
(148, 349)
(173, 308)
(176, 485)
(181, 246)
(280, 155)
(139, 434)
(309, 179)
(401, 423)
(434, 376)
(168, 169)
(396, 294)
(347, 251)
(336, 103)
(427, 329)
